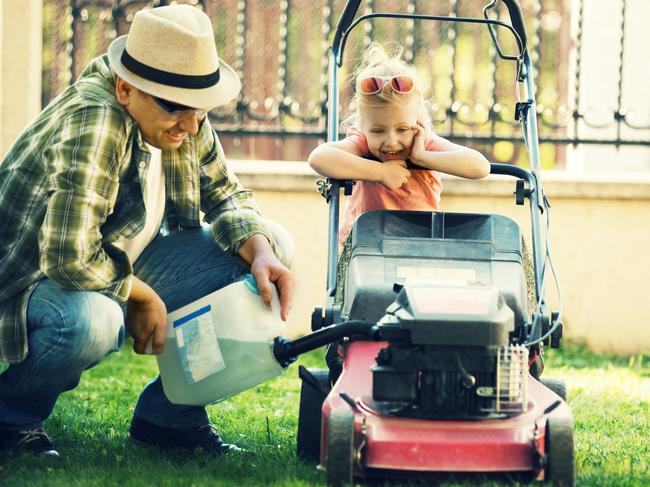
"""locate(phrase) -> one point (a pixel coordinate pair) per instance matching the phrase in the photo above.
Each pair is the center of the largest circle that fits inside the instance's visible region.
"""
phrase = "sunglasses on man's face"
(176, 108)
(374, 84)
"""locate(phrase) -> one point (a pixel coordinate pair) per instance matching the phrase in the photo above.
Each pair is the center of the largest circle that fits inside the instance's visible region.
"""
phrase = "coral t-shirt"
(420, 193)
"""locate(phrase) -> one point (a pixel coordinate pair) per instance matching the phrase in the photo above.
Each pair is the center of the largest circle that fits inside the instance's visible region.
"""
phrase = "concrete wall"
(600, 238)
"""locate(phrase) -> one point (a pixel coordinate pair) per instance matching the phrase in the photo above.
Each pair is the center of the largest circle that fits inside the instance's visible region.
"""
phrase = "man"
(82, 196)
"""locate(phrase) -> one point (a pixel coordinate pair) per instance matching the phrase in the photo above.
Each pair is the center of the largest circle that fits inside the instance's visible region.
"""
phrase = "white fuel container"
(220, 345)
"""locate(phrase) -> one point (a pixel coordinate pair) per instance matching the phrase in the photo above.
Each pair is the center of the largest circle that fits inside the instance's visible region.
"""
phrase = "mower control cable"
(547, 260)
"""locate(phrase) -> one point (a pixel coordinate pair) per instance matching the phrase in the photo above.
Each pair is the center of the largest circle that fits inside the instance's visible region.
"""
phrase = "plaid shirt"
(70, 187)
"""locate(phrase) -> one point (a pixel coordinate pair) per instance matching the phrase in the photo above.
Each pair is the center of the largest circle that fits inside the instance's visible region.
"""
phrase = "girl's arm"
(451, 158)
(342, 160)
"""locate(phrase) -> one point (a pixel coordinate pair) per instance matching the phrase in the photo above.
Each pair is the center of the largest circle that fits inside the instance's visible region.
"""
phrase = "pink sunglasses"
(374, 84)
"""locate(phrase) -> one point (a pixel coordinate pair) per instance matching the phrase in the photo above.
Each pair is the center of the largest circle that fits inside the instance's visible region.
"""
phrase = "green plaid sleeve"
(229, 208)
(82, 184)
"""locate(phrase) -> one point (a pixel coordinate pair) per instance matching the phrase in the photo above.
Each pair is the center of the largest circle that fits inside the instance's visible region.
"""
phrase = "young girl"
(390, 129)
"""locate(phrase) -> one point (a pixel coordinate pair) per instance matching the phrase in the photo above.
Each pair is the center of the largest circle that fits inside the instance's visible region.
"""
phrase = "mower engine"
(449, 354)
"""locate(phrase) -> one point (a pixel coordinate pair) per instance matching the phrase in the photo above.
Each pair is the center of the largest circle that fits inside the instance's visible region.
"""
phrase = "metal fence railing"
(279, 48)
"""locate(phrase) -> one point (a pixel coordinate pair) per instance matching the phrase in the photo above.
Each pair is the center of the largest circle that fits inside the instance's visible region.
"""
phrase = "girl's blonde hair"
(377, 62)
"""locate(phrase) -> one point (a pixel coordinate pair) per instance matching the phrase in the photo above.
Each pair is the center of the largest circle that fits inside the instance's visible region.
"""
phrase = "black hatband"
(167, 78)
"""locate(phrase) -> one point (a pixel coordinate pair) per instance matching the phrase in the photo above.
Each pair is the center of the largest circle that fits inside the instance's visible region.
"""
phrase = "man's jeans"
(71, 331)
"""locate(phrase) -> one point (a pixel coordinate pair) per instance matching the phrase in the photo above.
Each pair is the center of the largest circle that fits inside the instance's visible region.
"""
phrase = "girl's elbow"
(484, 169)
(478, 171)
(481, 168)
(475, 166)
(314, 163)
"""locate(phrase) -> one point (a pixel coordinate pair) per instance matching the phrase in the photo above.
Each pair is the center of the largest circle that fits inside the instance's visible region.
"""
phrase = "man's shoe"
(205, 437)
(33, 441)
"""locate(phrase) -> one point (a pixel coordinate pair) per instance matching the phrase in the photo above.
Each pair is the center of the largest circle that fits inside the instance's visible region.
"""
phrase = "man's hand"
(146, 317)
(393, 174)
(268, 270)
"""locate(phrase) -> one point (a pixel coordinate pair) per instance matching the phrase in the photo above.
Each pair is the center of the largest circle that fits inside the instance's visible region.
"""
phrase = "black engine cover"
(433, 383)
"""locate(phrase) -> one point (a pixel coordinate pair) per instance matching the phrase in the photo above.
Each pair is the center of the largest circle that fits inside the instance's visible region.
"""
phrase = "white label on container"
(197, 345)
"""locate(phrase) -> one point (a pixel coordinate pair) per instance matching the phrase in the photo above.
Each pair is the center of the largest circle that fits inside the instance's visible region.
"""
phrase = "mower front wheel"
(560, 452)
(340, 448)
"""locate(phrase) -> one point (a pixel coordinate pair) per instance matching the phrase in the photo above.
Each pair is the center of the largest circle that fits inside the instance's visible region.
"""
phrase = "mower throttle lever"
(521, 192)
(351, 402)
(552, 407)
(521, 109)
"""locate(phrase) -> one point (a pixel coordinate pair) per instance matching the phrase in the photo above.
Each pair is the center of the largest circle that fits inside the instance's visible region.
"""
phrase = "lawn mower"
(436, 354)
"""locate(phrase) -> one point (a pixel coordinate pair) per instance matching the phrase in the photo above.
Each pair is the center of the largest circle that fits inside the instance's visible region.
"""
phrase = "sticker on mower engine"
(197, 345)
(436, 273)
(452, 301)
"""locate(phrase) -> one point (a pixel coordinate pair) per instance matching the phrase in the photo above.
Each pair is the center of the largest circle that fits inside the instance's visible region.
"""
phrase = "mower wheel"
(557, 385)
(340, 448)
(560, 453)
(309, 417)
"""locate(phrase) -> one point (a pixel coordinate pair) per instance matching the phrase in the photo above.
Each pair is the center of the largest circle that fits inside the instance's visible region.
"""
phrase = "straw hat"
(170, 53)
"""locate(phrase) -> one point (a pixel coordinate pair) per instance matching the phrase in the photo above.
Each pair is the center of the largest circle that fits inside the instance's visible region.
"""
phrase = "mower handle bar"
(517, 19)
(346, 19)
(352, 6)
(495, 168)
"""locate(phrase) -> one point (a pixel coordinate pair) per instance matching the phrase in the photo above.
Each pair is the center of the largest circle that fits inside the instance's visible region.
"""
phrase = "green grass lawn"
(609, 396)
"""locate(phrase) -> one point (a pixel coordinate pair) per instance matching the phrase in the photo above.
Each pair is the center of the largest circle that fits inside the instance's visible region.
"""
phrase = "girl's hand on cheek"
(417, 149)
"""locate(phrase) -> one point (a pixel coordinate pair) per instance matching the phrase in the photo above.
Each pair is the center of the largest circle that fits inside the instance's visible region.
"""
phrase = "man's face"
(160, 128)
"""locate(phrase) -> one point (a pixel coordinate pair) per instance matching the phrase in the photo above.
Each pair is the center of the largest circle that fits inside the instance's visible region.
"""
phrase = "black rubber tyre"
(309, 417)
(340, 448)
(557, 385)
(560, 452)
